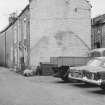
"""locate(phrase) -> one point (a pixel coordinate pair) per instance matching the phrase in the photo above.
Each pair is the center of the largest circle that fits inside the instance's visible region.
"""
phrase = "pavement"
(39, 90)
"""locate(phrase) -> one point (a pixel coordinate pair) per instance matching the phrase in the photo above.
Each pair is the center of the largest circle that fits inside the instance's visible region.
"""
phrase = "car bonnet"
(89, 68)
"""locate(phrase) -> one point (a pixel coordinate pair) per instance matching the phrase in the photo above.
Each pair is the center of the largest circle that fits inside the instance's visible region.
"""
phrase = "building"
(44, 29)
(14, 41)
(59, 28)
(98, 32)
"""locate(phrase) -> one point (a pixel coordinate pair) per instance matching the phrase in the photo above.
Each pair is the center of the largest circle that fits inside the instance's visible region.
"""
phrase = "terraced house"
(14, 41)
(47, 28)
(98, 32)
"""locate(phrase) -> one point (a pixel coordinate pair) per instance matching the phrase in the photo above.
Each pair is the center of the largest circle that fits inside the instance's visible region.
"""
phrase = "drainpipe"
(5, 49)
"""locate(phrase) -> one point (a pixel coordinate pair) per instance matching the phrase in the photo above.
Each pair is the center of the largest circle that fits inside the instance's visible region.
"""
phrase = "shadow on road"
(100, 92)
(60, 82)
(84, 85)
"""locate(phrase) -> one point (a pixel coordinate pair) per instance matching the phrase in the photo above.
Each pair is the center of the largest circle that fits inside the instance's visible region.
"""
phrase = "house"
(59, 28)
(98, 32)
(14, 40)
(45, 29)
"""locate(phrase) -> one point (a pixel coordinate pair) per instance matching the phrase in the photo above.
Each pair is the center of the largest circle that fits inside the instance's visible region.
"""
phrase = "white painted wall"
(59, 28)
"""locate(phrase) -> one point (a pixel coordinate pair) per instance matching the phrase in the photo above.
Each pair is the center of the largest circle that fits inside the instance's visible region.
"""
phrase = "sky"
(98, 7)
(9, 6)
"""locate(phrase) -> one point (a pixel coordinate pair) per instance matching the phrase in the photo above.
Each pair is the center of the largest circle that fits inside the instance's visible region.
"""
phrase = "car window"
(103, 64)
(95, 54)
(103, 53)
(94, 62)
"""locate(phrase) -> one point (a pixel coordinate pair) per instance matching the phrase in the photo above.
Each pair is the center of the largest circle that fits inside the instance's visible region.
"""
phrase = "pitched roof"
(99, 19)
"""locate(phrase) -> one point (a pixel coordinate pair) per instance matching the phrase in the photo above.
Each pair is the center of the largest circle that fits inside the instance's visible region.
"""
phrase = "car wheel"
(103, 86)
(66, 79)
(25, 75)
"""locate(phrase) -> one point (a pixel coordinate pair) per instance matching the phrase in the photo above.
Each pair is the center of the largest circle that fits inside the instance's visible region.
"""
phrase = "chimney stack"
(12, 17)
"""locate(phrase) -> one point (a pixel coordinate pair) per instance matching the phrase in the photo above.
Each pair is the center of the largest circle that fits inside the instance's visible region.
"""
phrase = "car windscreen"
(95, 54)
(94, 63)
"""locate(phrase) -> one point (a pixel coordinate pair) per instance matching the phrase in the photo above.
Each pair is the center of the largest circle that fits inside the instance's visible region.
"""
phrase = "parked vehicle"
(99, 52)
(64, 63)
(93, 72)
(67, 62)
(62, 73)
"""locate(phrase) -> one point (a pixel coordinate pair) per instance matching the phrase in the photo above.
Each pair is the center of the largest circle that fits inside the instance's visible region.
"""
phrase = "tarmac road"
(18, 90)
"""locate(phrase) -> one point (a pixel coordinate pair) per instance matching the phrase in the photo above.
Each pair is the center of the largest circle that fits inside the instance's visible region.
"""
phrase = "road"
(18, 90)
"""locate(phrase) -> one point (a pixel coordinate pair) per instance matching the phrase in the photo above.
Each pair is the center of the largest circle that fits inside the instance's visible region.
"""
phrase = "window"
(19, 31)
(15, 35)
(95, 54)
(104, 64)
(76, 9)
(25, 28)
(103, 53)
(67, 1)
(15, 54)
(97, 45)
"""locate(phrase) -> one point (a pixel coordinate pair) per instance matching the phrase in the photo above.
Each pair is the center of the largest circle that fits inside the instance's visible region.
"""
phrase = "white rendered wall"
(59, 28)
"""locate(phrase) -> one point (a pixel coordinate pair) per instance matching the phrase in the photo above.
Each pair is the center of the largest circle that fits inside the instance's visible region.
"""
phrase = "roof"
(99, 20)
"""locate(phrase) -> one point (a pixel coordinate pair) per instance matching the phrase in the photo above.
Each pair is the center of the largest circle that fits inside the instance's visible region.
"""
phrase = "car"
(99, 52)
(93, 72)
(62, 72)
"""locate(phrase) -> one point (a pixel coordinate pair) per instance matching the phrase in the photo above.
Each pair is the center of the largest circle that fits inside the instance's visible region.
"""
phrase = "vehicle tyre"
(86, 83)
(103, 86)
(65, 79)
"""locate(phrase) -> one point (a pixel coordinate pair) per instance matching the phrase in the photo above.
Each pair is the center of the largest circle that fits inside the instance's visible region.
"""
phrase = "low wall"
(69, 61)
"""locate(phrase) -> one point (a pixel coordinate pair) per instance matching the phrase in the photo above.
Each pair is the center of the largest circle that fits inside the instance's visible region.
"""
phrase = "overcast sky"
(98, 7)
(9, 6)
